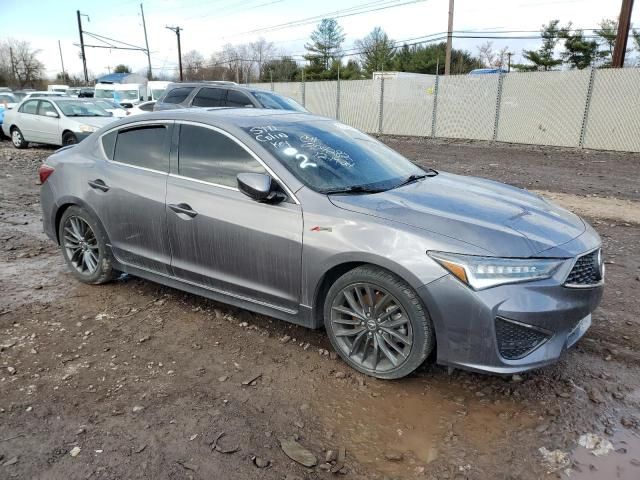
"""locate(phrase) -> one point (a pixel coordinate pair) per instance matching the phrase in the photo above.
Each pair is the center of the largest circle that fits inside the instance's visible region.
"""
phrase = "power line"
(349, 12)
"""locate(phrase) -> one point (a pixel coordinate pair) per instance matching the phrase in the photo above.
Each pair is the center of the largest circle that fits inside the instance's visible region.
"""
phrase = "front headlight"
(88, 128)
(485, 272)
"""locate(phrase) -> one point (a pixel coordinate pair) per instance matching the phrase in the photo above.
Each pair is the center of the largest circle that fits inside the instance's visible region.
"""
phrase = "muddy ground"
(143, 379)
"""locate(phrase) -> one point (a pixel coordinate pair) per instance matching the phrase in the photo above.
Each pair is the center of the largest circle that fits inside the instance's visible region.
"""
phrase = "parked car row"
(52, 116)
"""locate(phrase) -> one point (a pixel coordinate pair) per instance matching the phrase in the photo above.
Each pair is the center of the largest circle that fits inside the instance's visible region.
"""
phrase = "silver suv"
(222, 94)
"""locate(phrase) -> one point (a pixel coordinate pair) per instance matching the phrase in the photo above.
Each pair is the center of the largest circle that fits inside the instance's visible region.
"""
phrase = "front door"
(47, 123)
(221, 239)
(128, 191)
(26, 120)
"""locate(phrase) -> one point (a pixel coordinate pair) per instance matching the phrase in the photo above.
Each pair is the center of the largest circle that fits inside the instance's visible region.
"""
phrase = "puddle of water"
(614, 466)
(413, 418)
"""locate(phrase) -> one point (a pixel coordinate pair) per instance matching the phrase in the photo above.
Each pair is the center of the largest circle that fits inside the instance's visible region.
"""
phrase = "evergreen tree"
(578, 51)
(326, 43)
(543, 58)
(376, 51)
(607, 32)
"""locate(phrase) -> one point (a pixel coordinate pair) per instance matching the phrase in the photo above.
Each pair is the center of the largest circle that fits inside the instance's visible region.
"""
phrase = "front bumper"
(466, 321)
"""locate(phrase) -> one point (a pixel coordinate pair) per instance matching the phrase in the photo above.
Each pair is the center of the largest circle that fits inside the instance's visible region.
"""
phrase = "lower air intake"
(516, 340)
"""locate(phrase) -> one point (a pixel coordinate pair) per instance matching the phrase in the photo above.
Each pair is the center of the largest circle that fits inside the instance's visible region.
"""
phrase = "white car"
(141, 108)
(113, 107)
(43, 93)
(55, 121)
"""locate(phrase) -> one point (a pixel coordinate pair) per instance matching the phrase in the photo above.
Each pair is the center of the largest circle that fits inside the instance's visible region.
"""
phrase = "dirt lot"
(149, 382)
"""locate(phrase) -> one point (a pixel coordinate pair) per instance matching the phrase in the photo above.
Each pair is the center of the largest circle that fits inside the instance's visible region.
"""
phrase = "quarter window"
(29, 107)
(213, 157)
(210, 97)
(142, 147)
(177, 95)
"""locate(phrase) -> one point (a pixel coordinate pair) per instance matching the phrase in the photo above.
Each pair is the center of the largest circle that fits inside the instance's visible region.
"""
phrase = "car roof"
(227, 118)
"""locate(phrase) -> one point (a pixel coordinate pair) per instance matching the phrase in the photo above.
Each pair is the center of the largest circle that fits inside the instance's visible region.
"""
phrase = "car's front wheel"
(69, 138)
(18, 139)
(377, 323)
(83, 244)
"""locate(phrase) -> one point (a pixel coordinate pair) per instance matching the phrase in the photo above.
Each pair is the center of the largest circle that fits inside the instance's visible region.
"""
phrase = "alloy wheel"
(371, 327)
(81, 245)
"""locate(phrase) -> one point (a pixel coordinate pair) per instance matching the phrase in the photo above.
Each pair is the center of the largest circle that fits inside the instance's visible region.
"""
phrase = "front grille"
(516, 340)
(586, 271)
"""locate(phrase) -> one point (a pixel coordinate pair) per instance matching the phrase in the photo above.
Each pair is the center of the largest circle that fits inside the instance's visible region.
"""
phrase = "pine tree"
(543, 59)
(326, 43)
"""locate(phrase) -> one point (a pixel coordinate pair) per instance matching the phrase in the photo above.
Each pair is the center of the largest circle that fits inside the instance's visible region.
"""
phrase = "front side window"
(328, 156)
(101, 93)
(277, 102)
(47, 107)
(237, 99)
(144, 146)
(30, 107)
(120, 95)
(207, 155)
(210, 97)
(177, 95)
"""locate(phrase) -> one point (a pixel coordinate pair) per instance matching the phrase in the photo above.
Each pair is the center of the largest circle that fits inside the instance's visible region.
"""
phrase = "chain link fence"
(596, 109)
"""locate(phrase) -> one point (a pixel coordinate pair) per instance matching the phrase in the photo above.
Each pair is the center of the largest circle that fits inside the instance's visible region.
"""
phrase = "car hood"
(500, 219)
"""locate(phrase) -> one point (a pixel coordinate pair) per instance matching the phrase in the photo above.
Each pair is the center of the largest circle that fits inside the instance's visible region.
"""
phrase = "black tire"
(387, 285)
(96, 241)
(18, 139)
(69, 138)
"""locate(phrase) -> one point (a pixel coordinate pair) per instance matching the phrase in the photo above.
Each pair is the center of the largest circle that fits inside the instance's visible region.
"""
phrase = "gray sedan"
(311, 221)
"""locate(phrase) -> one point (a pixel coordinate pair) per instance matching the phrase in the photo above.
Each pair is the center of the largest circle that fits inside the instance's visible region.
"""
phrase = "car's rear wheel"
(69, 138)
(18, 139)
(377, 323)
(83, 244)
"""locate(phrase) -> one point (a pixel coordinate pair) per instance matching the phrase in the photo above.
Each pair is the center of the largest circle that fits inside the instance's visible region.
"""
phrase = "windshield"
(155, 93)
(82, 109)
(278, 102)
(117, 95)
(330, 156)
(7, 98)
(19, 95)
(100, 93)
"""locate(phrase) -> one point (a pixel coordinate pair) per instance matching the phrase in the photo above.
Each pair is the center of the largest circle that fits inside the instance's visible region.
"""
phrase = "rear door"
(220, 238)
(26, 120)
(128, 192)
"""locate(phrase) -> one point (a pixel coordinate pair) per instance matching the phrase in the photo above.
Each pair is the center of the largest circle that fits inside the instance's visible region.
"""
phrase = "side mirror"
(51, 114)
(259, 187)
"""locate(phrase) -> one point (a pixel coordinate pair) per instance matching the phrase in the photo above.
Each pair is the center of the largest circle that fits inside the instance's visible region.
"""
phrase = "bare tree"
(19, 63)
(501, 58)
(486, 54)
(193, 61)
(261, 52)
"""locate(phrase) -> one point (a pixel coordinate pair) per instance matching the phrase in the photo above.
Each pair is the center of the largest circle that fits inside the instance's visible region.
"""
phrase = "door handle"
(98, 185)
(184, 209)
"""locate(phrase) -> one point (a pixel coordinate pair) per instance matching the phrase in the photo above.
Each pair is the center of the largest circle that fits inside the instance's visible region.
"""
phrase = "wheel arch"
(68, 202)
(345, 263)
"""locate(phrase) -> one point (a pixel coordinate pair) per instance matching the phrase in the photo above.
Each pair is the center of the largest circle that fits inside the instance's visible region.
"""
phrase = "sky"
(209, 24)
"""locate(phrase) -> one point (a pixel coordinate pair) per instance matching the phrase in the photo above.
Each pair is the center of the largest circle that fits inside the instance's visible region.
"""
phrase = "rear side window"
(237, 99)
(213, 157)
(210, 97)
(177, 95)
(145, 147)
(29, 107)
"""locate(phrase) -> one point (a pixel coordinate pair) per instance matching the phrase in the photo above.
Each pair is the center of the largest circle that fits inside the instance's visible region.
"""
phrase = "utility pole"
(144, 26)
(176, 30)
(84, 58)
(509, 61)
(624, 23)
(447, 62)
(64, 76)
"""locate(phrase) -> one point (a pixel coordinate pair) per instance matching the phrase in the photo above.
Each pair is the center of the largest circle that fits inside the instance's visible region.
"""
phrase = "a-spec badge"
(321, 229)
